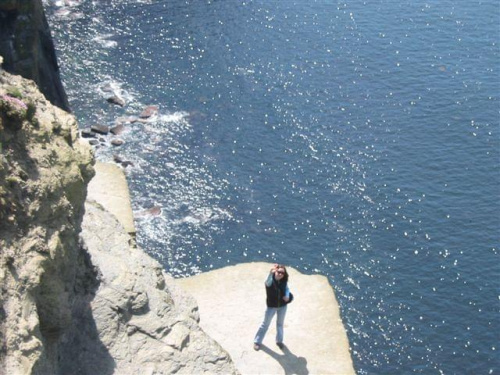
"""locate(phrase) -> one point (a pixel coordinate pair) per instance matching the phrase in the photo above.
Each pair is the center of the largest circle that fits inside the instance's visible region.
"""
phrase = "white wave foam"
(103, 41)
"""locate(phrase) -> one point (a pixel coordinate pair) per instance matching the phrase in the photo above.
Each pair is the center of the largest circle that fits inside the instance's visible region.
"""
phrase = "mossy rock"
(13, 112)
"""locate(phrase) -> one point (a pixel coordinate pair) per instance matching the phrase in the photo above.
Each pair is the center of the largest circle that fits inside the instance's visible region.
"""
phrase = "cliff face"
(76, 296)
(27, 47)
(44, 173)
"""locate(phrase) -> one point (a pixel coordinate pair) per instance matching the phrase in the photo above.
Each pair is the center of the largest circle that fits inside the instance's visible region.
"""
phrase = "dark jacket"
(275, 293)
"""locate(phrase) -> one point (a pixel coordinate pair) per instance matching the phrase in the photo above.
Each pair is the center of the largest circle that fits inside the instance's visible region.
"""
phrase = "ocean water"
(354, 139)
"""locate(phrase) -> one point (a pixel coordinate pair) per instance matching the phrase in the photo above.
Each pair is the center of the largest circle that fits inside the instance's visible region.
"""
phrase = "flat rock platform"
(110, 189)
(232, 303)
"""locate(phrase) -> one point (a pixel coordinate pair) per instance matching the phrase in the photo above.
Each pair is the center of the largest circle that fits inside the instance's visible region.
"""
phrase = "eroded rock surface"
(44, 172)
(147, 325)
(76, 302)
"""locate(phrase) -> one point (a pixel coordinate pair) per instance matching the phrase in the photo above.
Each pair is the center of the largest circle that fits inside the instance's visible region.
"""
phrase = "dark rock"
(101, 129)
(149, 111)
(117, 142)
(28, 50)
(93, 142)
(117, 158)
(116, 130)
(127, 163)
(116, 100)
(88, 133)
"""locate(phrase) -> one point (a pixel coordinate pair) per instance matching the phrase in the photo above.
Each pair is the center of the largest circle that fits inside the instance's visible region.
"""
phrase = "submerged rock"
(149, 111)
(117, 130)
(116, 100)
(101, 129)
(152, 211)
(88, 133)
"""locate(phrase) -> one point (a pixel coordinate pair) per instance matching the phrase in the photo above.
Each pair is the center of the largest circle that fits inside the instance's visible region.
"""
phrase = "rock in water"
(116, 100)
(101, 129)
(149, 111)
(117, 130)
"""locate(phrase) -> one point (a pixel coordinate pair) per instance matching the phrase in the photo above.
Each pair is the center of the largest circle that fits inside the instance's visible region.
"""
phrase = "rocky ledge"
(139, 322)
(232, 301)
(76, 296)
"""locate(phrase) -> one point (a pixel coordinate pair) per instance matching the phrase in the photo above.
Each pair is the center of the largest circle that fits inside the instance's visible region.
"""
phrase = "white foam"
(103, 41)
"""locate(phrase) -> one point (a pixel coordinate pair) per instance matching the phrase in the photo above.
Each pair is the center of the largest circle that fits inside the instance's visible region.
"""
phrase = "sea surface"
(353, 139)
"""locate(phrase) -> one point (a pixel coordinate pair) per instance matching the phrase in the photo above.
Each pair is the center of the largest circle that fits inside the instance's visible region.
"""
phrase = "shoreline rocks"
(119, 127)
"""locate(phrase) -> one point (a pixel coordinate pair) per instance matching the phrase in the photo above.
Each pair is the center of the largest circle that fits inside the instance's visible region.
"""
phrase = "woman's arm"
(269, 280)
(286, 298)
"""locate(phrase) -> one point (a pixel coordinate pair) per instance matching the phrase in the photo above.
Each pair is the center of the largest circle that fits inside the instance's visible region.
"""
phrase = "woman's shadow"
(289, 361)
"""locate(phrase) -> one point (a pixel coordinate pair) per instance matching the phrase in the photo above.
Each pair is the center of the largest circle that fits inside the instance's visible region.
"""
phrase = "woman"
(278, 296)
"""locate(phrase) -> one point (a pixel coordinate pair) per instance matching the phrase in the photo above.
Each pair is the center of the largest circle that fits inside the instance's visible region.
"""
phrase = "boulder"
(116, 100)
(88, 133)
(100, 129)
(117, 129)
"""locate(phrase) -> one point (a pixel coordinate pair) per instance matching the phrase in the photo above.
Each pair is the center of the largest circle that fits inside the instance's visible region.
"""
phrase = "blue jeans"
(270, 311)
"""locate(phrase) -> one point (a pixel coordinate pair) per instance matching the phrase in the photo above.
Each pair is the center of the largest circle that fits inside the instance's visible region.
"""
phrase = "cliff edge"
(232, 302)
(44, 173)
(77, 297)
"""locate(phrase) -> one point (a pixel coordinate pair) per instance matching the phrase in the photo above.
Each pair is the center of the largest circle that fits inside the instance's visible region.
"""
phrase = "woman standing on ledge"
(278, 296)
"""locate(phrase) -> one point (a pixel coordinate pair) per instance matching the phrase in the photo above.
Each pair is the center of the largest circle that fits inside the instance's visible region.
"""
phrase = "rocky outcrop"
(73, 301)
(315, 340)
(146, 324)
(44, 172)
(27, 47)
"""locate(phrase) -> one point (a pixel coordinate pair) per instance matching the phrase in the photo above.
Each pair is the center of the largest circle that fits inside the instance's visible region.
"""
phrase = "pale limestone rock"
(232, 305)
(145, 327)
(63, 311)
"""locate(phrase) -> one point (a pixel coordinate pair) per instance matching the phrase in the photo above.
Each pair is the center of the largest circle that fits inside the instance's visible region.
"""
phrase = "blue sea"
(353, 139)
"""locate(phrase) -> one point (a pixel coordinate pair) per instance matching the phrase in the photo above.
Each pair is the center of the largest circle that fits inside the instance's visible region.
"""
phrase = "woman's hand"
(286, 299)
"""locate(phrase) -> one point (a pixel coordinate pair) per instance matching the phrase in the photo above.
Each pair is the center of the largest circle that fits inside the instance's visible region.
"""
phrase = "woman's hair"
(285, 276)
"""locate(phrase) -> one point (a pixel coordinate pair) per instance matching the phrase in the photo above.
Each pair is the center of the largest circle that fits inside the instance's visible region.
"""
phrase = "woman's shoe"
(280, 345)
(256, 346)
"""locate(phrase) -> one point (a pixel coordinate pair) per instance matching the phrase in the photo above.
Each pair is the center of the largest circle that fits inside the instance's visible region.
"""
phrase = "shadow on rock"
(289, 361)
(81, 351)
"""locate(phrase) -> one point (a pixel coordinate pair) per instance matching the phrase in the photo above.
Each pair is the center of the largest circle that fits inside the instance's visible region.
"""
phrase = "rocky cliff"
(79, 298)
(44, 173)
(76, 296)
(27, 47)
